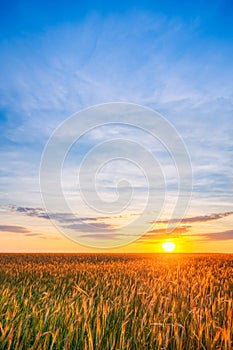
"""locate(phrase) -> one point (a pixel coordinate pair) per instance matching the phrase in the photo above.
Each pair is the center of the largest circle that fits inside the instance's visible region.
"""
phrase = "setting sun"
(168, 246)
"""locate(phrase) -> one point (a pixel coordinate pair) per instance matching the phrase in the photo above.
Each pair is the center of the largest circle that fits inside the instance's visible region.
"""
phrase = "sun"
(169, 246)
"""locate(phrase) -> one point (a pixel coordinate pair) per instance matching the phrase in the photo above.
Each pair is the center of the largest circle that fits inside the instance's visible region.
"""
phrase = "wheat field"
(116, 302)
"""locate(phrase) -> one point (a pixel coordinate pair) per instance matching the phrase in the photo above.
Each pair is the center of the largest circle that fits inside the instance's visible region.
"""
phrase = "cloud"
(41, 213)
(29, 211)
(26, 231)
(20, 229)
(162, 231)
(84, 227)
(98, 224)
(33, 235)
(161, 234)
(200, 218)
(15, 229)
(156, 235)
(150, 237)
(102, 236)
(70, 218)
(216, 236)
(67, 220)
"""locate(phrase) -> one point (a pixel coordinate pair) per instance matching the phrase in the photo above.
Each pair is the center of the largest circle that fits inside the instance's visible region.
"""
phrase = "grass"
(116, 302)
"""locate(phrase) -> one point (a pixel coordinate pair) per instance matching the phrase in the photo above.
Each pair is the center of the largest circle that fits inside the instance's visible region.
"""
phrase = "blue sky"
(56, 59)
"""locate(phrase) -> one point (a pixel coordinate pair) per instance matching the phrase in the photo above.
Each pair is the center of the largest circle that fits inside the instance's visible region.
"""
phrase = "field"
(109, 302)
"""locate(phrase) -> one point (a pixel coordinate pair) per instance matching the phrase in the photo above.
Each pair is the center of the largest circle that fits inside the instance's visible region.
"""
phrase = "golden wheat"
(116, 302)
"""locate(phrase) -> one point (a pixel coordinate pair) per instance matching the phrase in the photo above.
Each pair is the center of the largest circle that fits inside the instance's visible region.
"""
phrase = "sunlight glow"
(168, 246)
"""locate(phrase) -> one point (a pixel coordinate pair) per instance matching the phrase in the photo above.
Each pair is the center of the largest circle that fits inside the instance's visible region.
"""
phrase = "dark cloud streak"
(14, 229)
(196, 219)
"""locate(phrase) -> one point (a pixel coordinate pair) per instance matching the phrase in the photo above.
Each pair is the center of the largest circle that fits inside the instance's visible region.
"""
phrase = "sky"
(57, 59)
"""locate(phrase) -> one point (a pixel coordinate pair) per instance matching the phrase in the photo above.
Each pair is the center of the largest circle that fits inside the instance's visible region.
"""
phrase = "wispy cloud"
(26, 232)
(102, 236)
(85, 227)
(41, 213)
(163, 231)
(199, 218)
(199, 237)
(29, 211)
(67, 220)
(215, 236)
(14, 229)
